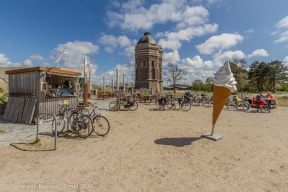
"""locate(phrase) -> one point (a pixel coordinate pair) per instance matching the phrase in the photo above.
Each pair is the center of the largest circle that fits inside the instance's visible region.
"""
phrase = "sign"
(65, 102)
(60, 102)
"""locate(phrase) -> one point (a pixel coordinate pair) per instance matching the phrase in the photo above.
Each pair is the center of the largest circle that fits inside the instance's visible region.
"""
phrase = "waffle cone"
(220, 97)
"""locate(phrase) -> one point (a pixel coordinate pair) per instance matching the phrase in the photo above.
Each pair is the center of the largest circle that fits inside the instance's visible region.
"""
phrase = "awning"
(62, 74)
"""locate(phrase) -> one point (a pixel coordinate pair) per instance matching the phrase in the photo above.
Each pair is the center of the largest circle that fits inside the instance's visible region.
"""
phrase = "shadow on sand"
(177, 142)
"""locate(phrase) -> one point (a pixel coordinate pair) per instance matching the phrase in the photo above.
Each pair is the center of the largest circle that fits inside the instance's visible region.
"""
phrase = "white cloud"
(283, 23)
(77, 51)
(172, 39)
(202, 75)
(4, 60)
(282, 30)
(168, 10)
(249, 31)
(285, 61)
(37, 57)
(258, 53)
(220, 42)
(221, 58)
(196, 64)
(171, 57)
(193, 16)
(127, 69)
(107, 40)
(281, 39)
(113, 42)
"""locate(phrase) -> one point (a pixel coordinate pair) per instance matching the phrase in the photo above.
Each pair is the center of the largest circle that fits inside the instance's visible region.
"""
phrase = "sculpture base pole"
(211, 135)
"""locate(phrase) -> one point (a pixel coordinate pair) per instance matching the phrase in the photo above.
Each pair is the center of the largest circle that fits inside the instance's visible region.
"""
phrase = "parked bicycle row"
(80, 121)
(260, 103)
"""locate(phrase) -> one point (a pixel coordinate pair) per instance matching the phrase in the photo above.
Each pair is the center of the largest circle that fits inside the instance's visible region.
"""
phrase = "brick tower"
(148, 64)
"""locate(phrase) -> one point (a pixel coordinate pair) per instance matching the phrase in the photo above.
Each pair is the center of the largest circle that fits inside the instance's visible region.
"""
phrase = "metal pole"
(117, 79)
(85, 83)
(123, 83)
(37, 131)
(212, 132)
(104, 85)
(112, 85)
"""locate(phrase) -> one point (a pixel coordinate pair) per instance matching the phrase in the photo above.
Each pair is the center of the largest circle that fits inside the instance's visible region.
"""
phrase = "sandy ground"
(154, 150)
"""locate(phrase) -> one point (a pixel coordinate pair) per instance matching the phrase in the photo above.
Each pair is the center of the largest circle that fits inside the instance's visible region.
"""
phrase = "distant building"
(148, 64)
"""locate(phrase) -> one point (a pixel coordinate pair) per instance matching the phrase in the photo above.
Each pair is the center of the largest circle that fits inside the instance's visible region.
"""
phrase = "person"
(139, 94)
(259, 96)
(270, 96)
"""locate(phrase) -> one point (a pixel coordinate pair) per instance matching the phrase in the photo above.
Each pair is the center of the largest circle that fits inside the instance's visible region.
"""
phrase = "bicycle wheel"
(246, 106)
(157, 102)
(173, 105)
(257, 107)
(268, 106)
(101, 125)
(186, 106)
(209, 104)
(134, 106)
(85, 126)
(169, 103)
(60, 124)
(114, 106)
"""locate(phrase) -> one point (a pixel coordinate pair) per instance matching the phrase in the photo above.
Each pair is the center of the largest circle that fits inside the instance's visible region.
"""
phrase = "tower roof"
(146, 39)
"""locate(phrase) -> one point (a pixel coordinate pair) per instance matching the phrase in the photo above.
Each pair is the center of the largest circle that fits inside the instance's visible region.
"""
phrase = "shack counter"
(38, 90)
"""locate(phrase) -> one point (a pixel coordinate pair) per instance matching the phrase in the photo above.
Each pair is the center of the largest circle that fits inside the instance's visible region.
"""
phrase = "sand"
(154, 150)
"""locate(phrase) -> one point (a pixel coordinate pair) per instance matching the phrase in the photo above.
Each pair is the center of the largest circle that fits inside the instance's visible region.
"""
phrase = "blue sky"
(199, 35)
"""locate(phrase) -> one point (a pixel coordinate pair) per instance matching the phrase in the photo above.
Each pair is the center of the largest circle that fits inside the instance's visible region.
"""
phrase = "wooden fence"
(20, 110)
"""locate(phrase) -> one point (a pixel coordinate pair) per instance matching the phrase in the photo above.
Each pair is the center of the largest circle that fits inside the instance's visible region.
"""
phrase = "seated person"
(270, 96)
(139, 94)
(260, 96)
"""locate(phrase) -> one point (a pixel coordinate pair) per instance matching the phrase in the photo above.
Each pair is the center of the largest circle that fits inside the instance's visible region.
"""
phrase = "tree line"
(260, 76)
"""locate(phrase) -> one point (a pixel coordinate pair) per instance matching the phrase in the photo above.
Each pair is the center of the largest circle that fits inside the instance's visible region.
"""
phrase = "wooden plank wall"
(12, 108)
(30, 107)
(21, 109)
(29, 83)
(51, 105)
(6, 112)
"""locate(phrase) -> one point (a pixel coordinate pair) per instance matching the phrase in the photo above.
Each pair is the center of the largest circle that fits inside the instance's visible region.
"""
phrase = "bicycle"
(131, 104)
(101, 125)
(166, 101)
(78, 122)
(184, 103)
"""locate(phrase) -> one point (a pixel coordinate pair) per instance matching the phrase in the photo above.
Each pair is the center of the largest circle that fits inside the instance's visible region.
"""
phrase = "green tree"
(197, 84)
(240, 74)
(267, 75)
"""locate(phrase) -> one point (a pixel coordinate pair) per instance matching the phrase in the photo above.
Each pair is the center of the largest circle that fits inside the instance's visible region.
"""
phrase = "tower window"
(153, 64)
(144, 64)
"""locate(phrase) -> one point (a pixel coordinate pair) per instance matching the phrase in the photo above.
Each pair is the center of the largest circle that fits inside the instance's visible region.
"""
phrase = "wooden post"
(85, 93)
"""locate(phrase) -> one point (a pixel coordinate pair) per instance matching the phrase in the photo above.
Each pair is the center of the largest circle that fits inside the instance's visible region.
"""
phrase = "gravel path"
(16, 133)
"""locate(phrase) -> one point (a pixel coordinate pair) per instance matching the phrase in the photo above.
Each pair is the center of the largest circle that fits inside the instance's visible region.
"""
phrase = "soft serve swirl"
(224, 77)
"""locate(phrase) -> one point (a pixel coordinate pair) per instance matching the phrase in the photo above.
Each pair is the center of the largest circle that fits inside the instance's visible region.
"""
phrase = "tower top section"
(146, 39)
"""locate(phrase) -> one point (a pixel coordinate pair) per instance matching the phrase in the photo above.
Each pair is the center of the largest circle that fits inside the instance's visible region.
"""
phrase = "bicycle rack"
(37, 133)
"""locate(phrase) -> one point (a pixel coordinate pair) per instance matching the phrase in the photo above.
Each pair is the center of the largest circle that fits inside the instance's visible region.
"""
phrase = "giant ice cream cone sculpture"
(224, 83)
(220, 96)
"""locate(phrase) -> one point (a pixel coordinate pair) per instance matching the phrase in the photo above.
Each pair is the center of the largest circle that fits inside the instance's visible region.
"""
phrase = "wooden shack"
(38, 90)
